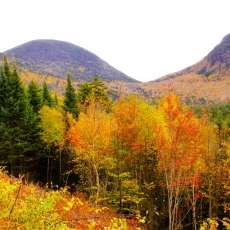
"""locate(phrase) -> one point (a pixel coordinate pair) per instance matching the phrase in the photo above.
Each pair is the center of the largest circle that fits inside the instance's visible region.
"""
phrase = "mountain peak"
(219, 58)
(216, 63)
(57, 58)
(226, 38)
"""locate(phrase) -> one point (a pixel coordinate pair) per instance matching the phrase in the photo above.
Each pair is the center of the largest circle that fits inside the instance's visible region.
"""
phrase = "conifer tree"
(70, 101)
(56, 99)
(97, 90)
(34, 96)
(13, 98)
(46, 97)
(17, 121)
(84, 92)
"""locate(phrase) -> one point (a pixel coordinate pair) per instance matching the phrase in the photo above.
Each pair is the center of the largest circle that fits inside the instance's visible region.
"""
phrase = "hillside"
(91, 164)
(57, 58)
(216, 63)
(26, 206)
(207, 80)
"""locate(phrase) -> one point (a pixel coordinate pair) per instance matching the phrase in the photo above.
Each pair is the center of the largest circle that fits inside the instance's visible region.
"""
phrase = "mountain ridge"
(57, 58)
(206, 81)
(215, 63)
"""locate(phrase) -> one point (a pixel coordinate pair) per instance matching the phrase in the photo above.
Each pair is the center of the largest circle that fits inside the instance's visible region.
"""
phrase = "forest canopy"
(165, 165)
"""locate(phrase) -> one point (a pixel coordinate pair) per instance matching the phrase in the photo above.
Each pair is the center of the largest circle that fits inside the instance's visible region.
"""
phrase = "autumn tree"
(91, 136)
(136, 125)
(215, 171)
(179, 150)
(52, 134)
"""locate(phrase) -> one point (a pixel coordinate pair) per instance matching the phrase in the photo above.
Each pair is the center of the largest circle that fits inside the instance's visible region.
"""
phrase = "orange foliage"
(182, 146)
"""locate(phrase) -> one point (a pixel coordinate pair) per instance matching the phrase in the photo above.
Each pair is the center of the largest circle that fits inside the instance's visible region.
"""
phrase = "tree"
(91, 137)
(179, 151)
(97, 90)
(215, 176)
(34, 96)
(17, 120)
(56, 99)
(52, 125)
(136, 125)
(84, 92)
(52, 133)
(46, 97)
(70, 100)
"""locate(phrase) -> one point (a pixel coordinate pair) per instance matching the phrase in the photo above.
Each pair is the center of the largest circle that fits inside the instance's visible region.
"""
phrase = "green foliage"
(27, 206)
(70, 100)
(46, 96)
(84, 92)
(52, 126)
(30, 207)
(95, 90)
(220, 114)
(34, 96)
(18, 125)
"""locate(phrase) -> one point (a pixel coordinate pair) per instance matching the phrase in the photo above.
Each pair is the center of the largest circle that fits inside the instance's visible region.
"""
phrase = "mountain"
(57, 58)
(216, 63)
(207, 80)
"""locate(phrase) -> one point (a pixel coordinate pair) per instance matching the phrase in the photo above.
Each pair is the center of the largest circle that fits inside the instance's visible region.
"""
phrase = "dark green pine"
(70, 100)
(34, 96)
(46, 96)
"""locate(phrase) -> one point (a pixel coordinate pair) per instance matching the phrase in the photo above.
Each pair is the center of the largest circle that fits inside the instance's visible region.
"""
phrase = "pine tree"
(18, 125)
(56, 99)
(96, 88)
(70, 101)
(99, 89)
(46, 97)
(4, 92)
(84, 92)
(34, 96)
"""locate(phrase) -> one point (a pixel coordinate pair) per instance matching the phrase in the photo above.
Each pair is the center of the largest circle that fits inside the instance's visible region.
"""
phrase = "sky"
(145, 39)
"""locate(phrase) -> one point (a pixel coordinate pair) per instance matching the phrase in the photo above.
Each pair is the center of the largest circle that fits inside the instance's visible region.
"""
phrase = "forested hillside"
(139, 165)
(206, 81)
(56, 58)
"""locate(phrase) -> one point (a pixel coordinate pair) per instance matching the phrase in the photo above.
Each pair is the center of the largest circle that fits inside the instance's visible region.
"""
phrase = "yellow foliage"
(52, 125)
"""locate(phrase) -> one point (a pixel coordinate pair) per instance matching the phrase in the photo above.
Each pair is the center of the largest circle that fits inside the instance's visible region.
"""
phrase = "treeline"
(159, 162)
(33, 121)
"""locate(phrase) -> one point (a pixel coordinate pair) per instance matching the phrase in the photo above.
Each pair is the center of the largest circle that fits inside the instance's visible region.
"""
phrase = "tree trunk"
(60, 168)
(47, 171)
(97, 181)
(194, 208)
(210, 198)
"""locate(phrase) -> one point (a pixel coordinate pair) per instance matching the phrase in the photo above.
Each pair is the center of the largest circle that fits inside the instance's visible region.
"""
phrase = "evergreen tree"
(84, 92)
(17, 121)
(4, 91)
(14, 101)
(70, 101)
(34, 96)
(97, 90)
(56, 99)
(46, 97)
